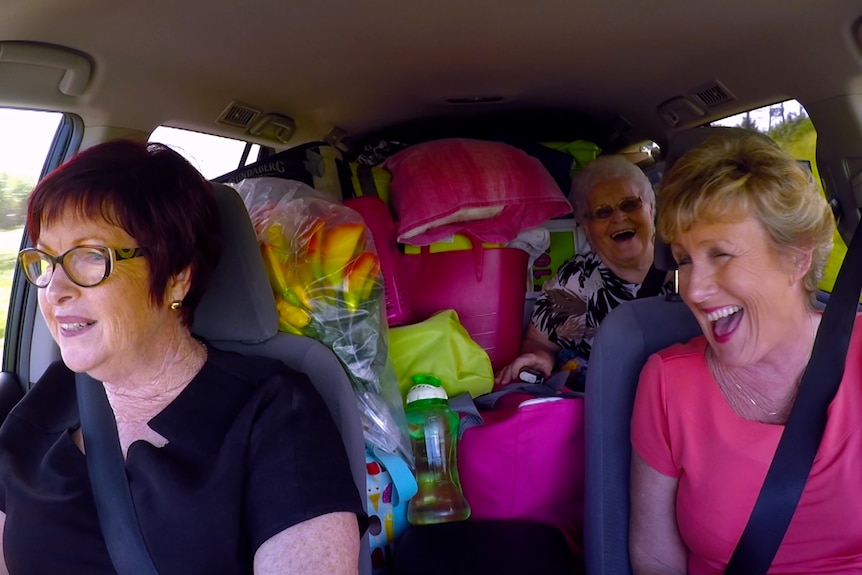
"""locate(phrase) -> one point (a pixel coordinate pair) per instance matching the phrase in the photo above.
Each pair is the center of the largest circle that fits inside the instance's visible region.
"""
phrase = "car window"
(211, 155)
(789, 125)
(26, 137)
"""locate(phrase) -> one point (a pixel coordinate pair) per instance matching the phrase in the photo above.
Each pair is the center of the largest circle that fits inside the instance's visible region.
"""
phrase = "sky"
(26, 136)
(211, 155)
(761, 116)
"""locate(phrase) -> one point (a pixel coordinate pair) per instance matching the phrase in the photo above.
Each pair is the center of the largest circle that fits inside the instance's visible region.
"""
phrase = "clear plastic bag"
(326, 278)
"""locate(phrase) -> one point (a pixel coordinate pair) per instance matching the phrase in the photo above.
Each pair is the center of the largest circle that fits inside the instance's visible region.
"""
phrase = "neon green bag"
(440, 346)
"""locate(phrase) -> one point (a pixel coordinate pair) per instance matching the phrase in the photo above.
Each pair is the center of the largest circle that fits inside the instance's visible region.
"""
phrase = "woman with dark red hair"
(217, 446)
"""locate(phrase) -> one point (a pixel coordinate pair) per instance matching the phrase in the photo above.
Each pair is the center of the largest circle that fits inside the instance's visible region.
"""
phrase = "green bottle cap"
(426, 379)
(425, 387)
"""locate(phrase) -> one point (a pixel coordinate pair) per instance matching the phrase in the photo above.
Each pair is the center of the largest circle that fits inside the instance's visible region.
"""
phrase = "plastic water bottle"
(433, 428)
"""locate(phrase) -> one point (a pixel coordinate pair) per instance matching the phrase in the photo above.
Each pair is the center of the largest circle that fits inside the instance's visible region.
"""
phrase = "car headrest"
(238, 305)
(679, 145)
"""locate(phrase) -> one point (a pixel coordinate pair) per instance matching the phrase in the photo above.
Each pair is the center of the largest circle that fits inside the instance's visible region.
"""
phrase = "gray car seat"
(238, 313)
(626, 338)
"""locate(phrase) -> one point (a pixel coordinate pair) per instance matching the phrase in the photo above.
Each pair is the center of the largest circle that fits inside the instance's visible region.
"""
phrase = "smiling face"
(109, 330)
(625, 240)
(746, 294)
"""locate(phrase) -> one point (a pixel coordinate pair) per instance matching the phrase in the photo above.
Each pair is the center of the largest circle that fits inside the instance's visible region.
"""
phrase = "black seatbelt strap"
(803, 431)
(654, 280)
(110, 484)
(367, 184)
(342, 168)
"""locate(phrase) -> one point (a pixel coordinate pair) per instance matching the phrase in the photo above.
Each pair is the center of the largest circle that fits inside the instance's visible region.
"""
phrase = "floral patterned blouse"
(574, 303)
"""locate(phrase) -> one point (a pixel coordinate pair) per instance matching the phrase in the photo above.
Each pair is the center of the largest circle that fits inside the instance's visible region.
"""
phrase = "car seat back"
(238, 313)
(627, 337)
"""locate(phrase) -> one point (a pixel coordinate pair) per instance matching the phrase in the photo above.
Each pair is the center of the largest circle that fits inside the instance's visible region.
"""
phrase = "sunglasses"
(626, 206)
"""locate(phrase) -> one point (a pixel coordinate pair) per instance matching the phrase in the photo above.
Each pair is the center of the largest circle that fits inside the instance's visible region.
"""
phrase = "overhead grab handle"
(274, 127)
(78, 68)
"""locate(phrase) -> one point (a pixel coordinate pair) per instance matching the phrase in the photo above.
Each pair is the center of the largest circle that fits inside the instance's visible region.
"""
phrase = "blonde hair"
(730, 178)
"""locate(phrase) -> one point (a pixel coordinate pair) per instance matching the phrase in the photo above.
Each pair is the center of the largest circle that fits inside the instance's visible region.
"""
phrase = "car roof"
(362, 66)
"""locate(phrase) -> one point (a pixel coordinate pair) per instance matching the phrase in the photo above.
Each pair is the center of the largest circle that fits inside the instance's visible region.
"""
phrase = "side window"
(789, 125)
(26, 137)
(211, 155)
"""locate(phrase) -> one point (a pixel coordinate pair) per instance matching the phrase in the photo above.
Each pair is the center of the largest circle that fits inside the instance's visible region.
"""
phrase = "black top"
(252, 450)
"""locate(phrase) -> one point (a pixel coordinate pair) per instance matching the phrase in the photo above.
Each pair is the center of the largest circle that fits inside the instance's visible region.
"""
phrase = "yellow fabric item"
(381, 178)
(440, 346)
(582, 151)
(456, 243)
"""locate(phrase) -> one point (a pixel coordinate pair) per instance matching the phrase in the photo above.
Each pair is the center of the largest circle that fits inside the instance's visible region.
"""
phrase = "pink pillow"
(491, 189)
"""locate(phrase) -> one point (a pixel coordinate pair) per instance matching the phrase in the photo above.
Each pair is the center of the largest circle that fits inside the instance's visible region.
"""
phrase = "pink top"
(683, 427)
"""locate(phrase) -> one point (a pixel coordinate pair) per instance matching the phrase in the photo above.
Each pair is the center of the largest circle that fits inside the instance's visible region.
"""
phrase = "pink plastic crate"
(485, 286)
(379, 220)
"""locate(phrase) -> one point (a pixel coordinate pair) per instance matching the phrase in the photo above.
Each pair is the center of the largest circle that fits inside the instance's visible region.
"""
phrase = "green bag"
(440, 346)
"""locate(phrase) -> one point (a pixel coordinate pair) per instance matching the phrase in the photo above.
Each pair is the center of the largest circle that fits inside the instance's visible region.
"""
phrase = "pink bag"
(456, 185)
(527, 461)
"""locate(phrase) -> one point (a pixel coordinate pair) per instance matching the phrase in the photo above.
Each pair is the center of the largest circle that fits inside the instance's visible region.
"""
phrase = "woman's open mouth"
(623, 235)
(725, 321)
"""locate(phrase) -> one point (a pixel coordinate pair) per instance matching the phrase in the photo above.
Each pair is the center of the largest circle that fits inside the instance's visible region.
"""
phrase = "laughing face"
(745, 292)
(106, 330)
(619, 228)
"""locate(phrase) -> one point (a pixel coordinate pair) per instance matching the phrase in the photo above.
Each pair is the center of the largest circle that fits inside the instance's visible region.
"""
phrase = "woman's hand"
(537, 352)
(539, 361)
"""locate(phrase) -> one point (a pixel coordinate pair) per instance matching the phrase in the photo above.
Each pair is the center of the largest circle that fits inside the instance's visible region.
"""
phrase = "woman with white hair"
(614, 205)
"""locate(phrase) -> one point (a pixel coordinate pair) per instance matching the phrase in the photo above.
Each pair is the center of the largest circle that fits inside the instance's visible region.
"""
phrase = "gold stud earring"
(175, 305)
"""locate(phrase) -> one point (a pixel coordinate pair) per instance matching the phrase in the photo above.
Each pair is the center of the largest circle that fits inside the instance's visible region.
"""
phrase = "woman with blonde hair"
(751, 233)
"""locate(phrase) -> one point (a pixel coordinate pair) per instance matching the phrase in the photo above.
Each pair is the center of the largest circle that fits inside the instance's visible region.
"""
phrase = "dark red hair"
(152, 193)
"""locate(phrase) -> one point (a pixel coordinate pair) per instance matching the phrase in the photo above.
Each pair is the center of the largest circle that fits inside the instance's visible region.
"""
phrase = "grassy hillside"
(10, 243)
(801, 143)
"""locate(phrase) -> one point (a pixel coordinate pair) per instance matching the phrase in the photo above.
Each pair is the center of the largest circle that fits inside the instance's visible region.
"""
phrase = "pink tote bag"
(527, 461)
